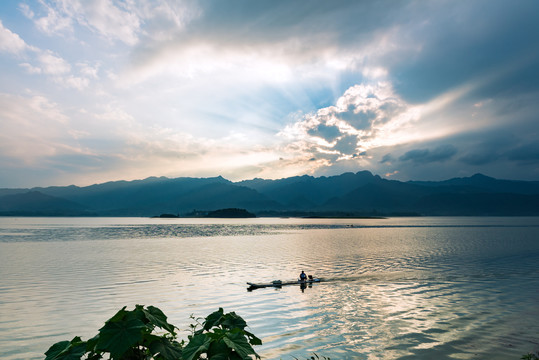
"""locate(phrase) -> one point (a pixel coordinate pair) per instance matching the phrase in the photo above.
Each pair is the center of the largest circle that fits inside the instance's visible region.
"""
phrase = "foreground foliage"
(131, 335)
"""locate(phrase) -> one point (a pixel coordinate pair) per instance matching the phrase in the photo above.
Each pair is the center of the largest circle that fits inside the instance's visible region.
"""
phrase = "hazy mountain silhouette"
(483, 204)
(361, 193)
(379, 196)
(301, 192)
(484, 183)
(35, 203)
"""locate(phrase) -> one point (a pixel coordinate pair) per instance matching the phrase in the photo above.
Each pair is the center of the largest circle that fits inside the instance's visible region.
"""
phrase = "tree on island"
(230, 213)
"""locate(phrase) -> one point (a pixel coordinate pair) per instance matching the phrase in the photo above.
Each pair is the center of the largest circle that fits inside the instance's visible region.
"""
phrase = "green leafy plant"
(530, 356)
(315, 357)
(131, 335)
(221, 336)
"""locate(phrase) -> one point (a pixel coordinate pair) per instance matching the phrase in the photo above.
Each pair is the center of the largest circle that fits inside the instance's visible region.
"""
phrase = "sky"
(97, 91)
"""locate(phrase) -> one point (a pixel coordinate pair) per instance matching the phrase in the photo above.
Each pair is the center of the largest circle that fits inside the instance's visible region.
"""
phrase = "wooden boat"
(278, 283)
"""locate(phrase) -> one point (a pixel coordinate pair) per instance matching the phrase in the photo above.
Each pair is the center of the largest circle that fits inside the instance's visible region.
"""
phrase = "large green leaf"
(57, 349)
(236, 340)
(92, 343)
(232, 320)
(197, 345)
(67, 350)
(76, 352)
(163, 348)
(219, 350)
(94, 357)
(253, 340)
(220, 356)
(117, 337)
(216, 334)
(139, 313)
(214, 319)
(118, 316)
(158, 318)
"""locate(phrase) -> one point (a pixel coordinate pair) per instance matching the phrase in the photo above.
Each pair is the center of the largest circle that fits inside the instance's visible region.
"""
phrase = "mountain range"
(348, 194)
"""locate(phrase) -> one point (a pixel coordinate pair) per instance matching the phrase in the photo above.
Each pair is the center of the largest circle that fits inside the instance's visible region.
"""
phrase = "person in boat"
(302, 276)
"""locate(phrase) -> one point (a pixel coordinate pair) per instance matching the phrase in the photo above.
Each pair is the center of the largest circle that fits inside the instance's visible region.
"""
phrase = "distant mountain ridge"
(348, 194)
(35, 203)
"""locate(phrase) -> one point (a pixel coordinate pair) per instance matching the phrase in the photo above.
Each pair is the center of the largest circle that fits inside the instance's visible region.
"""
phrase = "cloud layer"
(104, 90)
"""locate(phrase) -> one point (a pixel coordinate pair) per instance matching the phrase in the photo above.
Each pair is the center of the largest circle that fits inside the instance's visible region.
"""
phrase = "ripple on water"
(393, 292)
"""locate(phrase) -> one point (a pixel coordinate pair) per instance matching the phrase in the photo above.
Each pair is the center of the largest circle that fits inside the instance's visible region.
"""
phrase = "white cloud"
(75, 82)
(25, 9)
(11, 42)
(55, 22)
(60, 71)
(365, 116)
(45, 62)
(30, 68)
(113, 22)
(163, 19)
(375, 72)
(52, 64)
(31, 128)
(88, 70)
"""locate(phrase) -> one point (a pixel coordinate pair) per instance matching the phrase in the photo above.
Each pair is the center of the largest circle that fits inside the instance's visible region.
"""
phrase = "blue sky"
(94, 91)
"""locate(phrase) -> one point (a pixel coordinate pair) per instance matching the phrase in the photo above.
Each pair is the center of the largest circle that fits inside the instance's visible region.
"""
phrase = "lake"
(396, 288)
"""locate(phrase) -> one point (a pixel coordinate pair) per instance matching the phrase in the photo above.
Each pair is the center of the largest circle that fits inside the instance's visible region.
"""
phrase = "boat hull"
(281, 284)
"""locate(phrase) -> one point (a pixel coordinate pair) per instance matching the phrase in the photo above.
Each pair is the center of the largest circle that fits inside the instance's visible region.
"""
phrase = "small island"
(230, 213)
(167, 216)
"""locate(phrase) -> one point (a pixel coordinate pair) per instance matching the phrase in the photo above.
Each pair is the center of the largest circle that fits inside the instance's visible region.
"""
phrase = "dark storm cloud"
(528, 152)
(347, 145)
(471, 39)
(480, 158)
(329, 133)
(357, 117)
(423, 156)
(343, 21)
(501, 146)
(387, 158)
(486, 149)
(299, 32)
(521, 152)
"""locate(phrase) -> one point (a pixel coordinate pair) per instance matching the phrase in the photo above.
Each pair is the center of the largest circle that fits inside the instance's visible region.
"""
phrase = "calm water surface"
(398, 288)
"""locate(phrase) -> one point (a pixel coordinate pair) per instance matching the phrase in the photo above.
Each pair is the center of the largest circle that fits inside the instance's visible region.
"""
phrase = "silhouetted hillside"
(35, 203)
(381, 196)
(486, 184)
(138, 194)
(222, 195)
(230, 213)
(352, 194)
(479, 204)
(304, 192)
